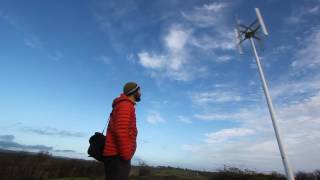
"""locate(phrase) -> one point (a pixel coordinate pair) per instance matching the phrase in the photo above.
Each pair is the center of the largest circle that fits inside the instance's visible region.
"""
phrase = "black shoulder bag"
(97, 143)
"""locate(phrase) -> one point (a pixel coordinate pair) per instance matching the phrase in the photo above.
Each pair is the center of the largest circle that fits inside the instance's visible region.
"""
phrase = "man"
(121, 134)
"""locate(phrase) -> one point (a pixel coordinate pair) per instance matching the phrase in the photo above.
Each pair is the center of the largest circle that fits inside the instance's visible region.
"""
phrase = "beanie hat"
(130, 88)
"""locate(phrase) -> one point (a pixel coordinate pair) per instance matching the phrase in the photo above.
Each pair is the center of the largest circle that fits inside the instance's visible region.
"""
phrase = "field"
(30, 166)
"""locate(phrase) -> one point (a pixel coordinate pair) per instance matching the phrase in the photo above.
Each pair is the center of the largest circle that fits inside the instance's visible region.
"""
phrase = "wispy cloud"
(184, 120)
(6, 138)
(152, 61)
(170, 63)
(7, 142)
(308, 56)
(216, 116)
(281, 49)
(260, 155)
(208, 42)
(105, 59)
(33, 42)
(58, 56)
(131, 57)
(226, 134)
(215, 96)
(115, 19)
(247, 116)
(223, 59)
(295, 91)
(17, 146)
(49, 131)
(299, 15)
(65, 151)
(211, 16)
(154, 118)
(205, 15)
(9, 19)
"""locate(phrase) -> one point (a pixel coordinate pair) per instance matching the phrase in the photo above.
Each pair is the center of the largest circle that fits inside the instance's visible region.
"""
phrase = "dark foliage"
(30, 166)
(238, 174)
(308, 176)
(26, 166)
(144, 169)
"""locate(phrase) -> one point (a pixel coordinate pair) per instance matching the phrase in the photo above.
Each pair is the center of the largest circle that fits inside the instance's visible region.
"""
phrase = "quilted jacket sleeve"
(122, 124)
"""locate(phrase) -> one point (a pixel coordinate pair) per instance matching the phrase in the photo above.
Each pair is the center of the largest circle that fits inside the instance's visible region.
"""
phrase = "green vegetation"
(77, 178)
(28, 166)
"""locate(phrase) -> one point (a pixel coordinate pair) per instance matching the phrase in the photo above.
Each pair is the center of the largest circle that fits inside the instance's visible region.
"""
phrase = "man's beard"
(137, 97)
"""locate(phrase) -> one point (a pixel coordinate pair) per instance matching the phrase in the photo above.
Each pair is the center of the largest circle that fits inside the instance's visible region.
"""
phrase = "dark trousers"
(116, 168)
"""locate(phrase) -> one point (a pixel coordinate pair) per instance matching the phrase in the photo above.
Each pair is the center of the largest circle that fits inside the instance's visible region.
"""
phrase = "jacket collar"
(122, 97)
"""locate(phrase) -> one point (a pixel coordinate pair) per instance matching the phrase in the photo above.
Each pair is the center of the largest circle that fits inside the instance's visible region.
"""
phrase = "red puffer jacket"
(122, 131)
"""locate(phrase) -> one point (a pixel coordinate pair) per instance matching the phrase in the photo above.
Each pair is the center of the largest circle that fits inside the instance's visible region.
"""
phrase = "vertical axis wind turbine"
(242, 33)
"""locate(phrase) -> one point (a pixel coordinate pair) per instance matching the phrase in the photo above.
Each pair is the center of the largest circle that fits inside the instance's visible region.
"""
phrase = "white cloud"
(151, 61)
(281, 49)
(33, 43)
(169, 64)
(314, 9)
(308, 56)
(299, 15)
(226, 134)
(176, 39)
(9, 19)
(131, 58)
(210, 43)
(184, 120)
(223, 59)
(252, 83)
(304, 114)
(206, 15)
(216, 116)
(105, 59)
(154, 118)
(216, 7)
(215, 96)
(290, 91)
(213, 16)
(56, 56)
(262, 155)
(249, 116)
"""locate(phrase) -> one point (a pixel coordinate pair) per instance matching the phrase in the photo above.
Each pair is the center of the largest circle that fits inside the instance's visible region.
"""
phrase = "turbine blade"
(261, 22)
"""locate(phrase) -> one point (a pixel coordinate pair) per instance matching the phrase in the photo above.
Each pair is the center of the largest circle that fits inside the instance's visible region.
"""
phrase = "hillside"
(24, 165)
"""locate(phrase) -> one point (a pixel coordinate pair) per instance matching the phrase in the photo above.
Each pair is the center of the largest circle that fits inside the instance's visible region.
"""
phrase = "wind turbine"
(242, 33)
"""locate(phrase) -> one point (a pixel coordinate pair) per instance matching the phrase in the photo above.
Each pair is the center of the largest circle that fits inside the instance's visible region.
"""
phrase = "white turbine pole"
(272, 114)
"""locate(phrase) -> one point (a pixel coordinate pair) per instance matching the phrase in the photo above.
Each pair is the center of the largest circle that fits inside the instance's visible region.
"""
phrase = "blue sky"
(202, 107)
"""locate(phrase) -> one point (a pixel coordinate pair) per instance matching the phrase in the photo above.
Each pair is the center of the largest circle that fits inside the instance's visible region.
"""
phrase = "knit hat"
(130, 88)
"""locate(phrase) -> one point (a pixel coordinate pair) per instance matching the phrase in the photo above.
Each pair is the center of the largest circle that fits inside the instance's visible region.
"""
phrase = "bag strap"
(105, 126)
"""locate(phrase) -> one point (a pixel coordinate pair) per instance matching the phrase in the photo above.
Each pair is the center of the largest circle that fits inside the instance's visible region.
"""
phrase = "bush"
(144, 169)
(22, 165)
(306, 176)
